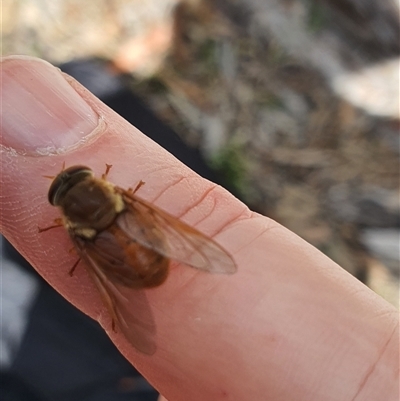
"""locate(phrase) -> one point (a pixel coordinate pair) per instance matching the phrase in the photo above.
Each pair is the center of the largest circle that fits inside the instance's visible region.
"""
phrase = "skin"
(290, 324)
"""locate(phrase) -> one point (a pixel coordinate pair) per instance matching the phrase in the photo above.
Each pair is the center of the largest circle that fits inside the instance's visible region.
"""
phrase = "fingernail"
(41, 113)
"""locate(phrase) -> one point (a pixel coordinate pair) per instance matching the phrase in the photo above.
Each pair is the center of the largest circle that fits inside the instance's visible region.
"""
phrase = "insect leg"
(139, 185)
(57, 223)
(51, 177)
(71, 272)
(108, 168)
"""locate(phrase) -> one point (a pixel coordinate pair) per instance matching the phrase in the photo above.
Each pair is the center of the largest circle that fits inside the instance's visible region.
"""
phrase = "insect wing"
(165, 234)
(128, 308)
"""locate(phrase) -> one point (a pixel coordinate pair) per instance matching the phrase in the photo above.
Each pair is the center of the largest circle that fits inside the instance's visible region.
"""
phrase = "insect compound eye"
(65, 181)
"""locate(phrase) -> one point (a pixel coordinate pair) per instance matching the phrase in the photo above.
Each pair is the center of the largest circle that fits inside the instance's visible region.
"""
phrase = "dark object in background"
(12, 388)
(65, 355)
(95, 75)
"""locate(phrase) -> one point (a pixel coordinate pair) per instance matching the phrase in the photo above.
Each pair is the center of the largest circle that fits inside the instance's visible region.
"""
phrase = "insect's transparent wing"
(128, 308)
(157, 230)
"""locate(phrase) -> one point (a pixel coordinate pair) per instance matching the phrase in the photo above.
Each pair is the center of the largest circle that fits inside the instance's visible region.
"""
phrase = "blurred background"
(293, 105)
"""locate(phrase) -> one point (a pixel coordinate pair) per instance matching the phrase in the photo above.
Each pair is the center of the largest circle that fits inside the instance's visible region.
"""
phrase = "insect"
(127, 243)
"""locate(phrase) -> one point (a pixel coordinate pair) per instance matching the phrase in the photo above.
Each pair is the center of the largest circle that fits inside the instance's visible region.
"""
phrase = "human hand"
(290, 324)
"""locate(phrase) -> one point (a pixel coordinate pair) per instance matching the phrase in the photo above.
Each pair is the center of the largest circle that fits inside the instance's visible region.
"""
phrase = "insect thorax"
(90, 207)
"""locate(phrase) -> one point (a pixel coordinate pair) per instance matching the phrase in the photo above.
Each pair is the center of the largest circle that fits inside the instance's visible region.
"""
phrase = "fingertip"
(41, 113)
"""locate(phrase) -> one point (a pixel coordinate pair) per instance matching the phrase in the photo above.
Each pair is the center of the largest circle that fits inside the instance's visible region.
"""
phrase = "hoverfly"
(127, 243)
